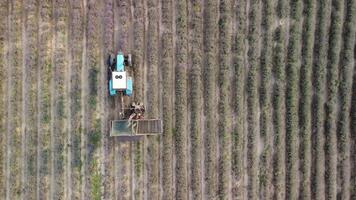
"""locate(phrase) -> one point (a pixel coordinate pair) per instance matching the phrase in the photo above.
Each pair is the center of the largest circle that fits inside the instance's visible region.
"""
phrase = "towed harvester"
(120, 83)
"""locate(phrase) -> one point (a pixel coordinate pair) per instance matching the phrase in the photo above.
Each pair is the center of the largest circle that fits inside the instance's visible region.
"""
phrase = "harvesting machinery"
(132, 122)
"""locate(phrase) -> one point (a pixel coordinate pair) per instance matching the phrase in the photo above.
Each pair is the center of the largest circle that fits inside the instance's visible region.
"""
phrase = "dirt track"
(257, 99)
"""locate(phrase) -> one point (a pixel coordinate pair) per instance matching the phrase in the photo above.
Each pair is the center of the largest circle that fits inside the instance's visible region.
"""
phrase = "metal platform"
(125, 128)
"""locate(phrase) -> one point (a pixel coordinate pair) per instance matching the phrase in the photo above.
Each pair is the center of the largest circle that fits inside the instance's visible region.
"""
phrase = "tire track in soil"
(59, 114)
(74, 90)
(166, 66)
(123, 12)
(151, 92)
(138, 57)
(107, 48)
(4, 97)
(15, 164)
(45, 99)
(29, 117)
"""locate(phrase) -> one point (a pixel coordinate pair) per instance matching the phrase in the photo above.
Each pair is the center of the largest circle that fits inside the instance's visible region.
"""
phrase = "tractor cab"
(119, 80)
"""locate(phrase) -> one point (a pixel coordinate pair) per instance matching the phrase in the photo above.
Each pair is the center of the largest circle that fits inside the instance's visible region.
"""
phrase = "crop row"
(138, 53)
(343, 124)
(44, 110)
(74, 113)
(14, 162)
(30, 105)
(292, 67)
(224, 122)
(3, 99)
(167, 75)
(319, 75)
(330, 108)
(196, 47)
(210, 62)
(238, 136)
(152, 186)
(305, 96)
(278, 101)
(181, 100)
(252, 99)
(92, 125)
(265, 178)
(58, 101)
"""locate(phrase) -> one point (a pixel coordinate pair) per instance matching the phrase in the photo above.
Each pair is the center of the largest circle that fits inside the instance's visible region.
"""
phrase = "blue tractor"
(119, 79)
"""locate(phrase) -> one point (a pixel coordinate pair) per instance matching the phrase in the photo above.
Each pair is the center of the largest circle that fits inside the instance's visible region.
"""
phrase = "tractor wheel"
(112, 60)
(129, 60)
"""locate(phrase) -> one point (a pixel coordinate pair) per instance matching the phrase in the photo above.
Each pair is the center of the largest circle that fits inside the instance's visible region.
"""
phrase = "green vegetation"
(238, 136)
(196, 52)
(210, 64)
(306, 96)
(167, 75)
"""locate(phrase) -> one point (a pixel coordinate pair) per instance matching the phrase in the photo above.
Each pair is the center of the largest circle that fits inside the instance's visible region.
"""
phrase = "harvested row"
(74, 101)
(138, 56)
(265, 101)
(224, 173)
(92, 124)
(123, 14)
(167, 82)
(278, 101)
(59, 100)
(305, 98)
(107, 142)
(292, 68)
(252, 99)
(29, 92)
(343, 124)
(181, 100)
(238, 136)
(331, 104)
(3, 98)
(353, 134)
(210, 31)
(45, 96)
(14, 163)
(319, 75)
(152, 187)
(196, 60)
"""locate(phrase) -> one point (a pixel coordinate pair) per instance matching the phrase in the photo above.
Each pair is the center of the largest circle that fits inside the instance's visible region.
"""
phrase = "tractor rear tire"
(129, 60)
